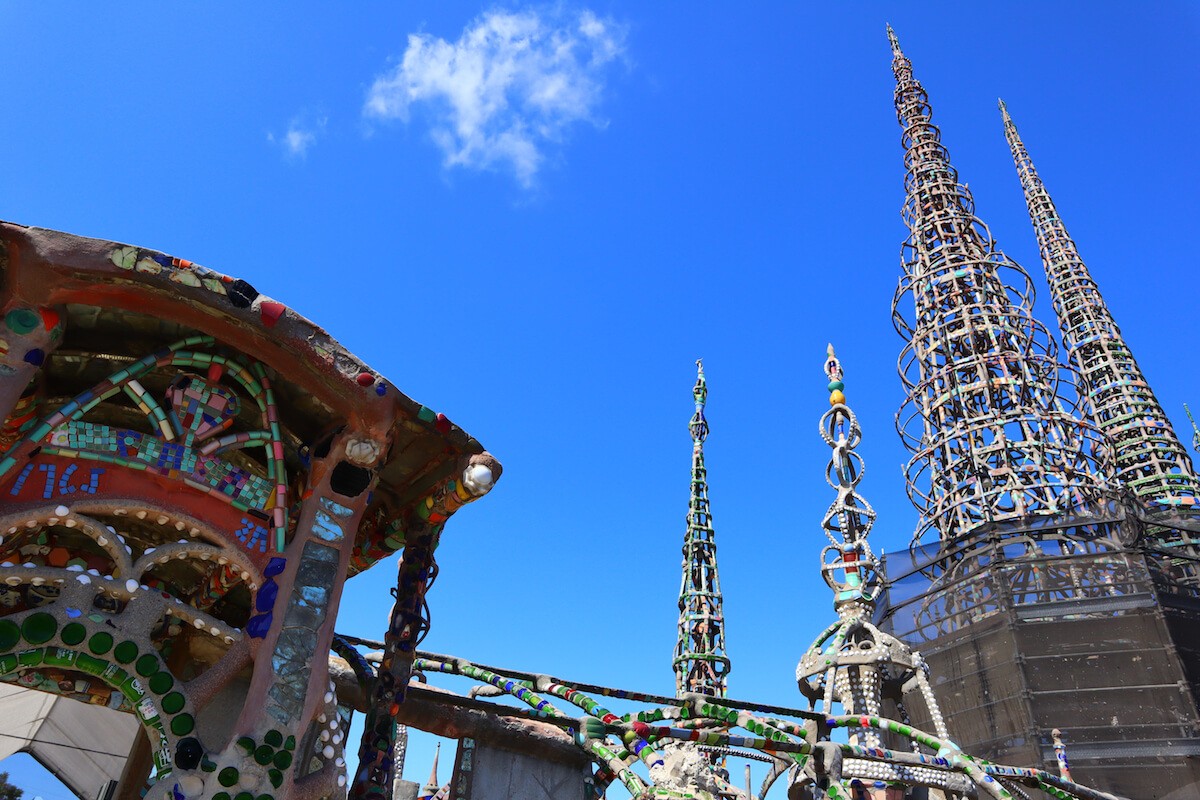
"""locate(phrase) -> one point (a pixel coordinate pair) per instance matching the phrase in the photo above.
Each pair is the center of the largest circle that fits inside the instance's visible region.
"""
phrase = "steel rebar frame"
(990, 435)
(1147, 455)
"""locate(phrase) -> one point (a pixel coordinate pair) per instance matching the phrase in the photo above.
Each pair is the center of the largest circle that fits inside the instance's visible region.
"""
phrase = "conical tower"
(1034, 573)
(990, 438)
(1147, 456)
(700, 661)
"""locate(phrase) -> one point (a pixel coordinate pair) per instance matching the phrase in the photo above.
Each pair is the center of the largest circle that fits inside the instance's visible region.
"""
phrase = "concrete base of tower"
(1030, 627)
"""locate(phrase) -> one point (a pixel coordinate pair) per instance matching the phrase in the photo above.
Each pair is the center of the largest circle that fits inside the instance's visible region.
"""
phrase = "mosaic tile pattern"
(200, 409)
(244, 490)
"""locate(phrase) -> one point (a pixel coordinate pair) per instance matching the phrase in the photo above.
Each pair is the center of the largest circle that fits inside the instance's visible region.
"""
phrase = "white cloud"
(300, 136)
(511, 85)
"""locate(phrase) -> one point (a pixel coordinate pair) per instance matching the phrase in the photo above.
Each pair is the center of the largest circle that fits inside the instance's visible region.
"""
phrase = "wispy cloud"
(507, 89)
(301, 134)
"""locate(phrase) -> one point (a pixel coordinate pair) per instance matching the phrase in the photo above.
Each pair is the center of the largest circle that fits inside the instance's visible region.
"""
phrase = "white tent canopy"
(84, 746)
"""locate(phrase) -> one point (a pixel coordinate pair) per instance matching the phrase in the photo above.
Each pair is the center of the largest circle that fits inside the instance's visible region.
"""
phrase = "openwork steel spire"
(990, 437)
(1147, 455)
(700, 661)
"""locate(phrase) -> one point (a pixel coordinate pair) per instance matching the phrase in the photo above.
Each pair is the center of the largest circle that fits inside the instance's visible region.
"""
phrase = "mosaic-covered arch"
(192, 469)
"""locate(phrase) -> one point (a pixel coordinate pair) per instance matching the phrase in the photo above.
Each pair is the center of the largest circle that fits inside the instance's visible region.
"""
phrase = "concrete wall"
(485, 772)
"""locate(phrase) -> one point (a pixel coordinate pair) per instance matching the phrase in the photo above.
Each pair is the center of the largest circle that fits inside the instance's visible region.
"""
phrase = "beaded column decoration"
(409, 620)
(989, 435)
(852, 662)
(1147, 455)
(1060, 753)
(700, 661)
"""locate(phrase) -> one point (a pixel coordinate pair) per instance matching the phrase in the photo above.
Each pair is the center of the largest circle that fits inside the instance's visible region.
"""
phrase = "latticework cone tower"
(1147, 455)
(990, 437)
(700, 661)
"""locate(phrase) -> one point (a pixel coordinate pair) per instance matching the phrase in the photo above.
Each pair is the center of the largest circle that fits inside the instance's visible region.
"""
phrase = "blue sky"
(543, 255)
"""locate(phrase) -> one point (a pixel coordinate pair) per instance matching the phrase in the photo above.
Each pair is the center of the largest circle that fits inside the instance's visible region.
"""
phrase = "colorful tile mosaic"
(199, 409)
(253, 535)
(242, 489)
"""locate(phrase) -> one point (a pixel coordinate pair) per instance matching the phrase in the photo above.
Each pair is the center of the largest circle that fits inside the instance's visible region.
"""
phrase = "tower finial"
(700, 662)
(896, 51)
(1146, 455)
(432, 786)
(1195, 429)
(699, 425)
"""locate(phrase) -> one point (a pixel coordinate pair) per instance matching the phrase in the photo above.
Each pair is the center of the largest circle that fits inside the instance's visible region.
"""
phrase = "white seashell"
(191, 785)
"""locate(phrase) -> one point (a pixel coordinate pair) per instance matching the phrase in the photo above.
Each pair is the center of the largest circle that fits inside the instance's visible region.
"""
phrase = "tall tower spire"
(700, 661)
(989, 436)
(1147, 455)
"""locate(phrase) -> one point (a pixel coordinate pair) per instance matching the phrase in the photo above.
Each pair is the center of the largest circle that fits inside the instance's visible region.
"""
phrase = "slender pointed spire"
(1147, 456)
(853, 663)
(896, 51)
(700, 661)
(432, 786)
(984, 421)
